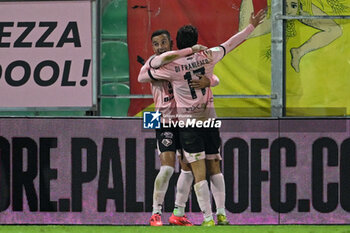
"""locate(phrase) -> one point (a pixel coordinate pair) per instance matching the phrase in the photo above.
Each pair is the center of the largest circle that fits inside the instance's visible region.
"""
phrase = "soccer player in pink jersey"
(167, 139)
(200, 143)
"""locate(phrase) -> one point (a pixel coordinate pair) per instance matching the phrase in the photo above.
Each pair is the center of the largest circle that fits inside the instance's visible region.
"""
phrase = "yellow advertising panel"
(317, 63)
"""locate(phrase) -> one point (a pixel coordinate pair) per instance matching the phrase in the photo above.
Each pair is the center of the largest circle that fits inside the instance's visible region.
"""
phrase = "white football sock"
(217, 185)
(160, 187)
(203, 197)
(183, 189)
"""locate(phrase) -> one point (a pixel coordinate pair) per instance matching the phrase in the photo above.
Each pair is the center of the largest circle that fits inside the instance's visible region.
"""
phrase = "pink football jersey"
(196, 103)
(162, 92)
(191, 103)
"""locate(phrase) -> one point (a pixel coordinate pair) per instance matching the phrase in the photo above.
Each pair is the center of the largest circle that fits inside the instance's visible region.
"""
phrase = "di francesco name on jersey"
(28, 177)
(191, 65)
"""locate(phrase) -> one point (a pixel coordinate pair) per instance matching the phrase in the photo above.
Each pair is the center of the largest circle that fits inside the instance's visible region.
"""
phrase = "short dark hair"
(187, 36)
(161, 32)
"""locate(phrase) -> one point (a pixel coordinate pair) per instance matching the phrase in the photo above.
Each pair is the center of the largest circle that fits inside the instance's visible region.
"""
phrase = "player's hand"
(202, 82)
(196, 48)
(258, 18)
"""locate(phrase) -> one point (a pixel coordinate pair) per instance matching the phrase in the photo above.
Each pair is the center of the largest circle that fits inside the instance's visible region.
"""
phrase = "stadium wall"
(101, 171)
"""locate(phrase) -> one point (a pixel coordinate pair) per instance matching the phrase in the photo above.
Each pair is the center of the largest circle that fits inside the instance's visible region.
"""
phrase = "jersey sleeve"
(238, 38)
(214, 80)
(168, 57)
(162, 73)
(149, 71)
(215, 54)
(144, 75)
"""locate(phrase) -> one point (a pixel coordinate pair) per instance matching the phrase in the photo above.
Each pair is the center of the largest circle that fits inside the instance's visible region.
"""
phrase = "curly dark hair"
(187, 36)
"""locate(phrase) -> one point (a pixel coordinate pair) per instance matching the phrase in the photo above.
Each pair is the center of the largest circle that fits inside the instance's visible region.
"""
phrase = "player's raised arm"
(235, 40)
(170, 56)
(157, 61)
